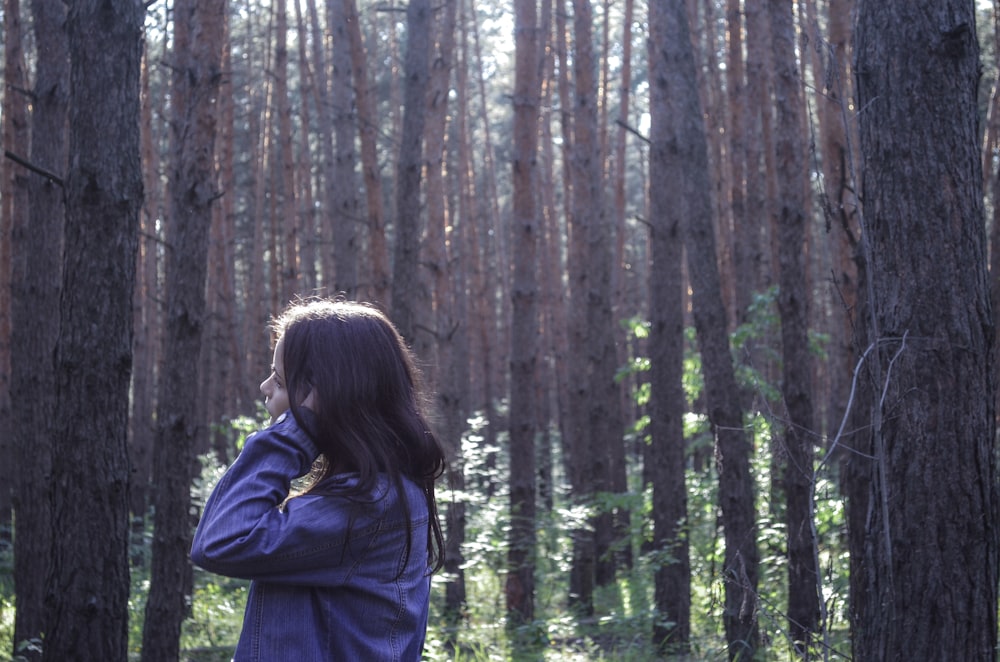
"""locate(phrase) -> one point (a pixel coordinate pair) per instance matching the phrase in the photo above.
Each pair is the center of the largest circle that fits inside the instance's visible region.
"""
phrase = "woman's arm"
(244, 533)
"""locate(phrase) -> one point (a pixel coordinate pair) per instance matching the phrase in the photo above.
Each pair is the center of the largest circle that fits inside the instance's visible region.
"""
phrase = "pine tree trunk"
(36, 286)
(378, 281)
(285, 219)
(407, 298)
(931, 540)
(13, 204)
(88, 586)
(793, 295)
(346, 205)
(672, 631)
(686, 138)
(198, 44)
(520, 587)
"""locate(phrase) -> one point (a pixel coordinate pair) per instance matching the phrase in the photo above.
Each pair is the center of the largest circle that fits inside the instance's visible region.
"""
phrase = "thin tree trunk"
(520, 587)
(604, 415)
(736, 93)
(378, 283)
(686, 136)
(306, 212)
(344, 186)
(198, 43)
(672, 629)
(407, 297)
(285, 219)
(796, 387)
(14, 201)
(37, 284)
(146, 321)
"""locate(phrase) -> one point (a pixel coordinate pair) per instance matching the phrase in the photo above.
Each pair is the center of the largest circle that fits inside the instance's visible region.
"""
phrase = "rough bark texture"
(930, 582)
(672, 631)
(687, 150)
(407, 297)
(346, 204)
(37, 282)
(88, 585)
(198, 43)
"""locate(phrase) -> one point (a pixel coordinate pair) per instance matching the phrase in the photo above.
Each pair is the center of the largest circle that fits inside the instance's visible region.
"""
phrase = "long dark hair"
(367, 400)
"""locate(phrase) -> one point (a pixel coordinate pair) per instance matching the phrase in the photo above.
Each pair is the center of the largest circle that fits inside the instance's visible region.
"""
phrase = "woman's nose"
(264, 387)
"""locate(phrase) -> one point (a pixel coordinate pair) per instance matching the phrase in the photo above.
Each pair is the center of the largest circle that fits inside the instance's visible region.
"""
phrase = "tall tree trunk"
(285, 219)
(198, 42)
(736, 154)
(306, 208)
(88, 585)
(146, 322)
(378, 282)
(686, 139)
(407, 297)
(37, 284)
(346, 205)
(593, 346)
(672, 631)
(753, 237)
(13, 204)
(520, 588)
(793, 295)
(931, 540)
(991, 178)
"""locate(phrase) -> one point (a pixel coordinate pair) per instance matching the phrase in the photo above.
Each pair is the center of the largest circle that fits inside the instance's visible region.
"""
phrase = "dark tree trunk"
(378, 287)
(406, 284)
(520, 588)
(930, 573)
(687, 146)
(592, 291)
(793, 296)
(88, 583)
(672, 632)
(13, 205)
(37, 282)
(198, 41)
(346, 204)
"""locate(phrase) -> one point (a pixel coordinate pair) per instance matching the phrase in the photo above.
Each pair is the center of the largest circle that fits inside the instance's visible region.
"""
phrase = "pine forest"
(704, 293)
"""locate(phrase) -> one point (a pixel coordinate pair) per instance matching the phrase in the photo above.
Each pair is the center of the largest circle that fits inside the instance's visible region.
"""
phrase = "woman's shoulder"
(380, 490)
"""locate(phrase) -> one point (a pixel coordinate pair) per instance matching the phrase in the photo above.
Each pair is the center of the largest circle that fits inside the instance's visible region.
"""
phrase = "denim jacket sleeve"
(244, 533)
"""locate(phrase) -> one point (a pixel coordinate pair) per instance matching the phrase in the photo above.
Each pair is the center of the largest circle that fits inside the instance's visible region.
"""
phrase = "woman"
(341, 566)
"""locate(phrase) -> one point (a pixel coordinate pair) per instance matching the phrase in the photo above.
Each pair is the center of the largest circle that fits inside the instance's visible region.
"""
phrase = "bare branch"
(52, 177)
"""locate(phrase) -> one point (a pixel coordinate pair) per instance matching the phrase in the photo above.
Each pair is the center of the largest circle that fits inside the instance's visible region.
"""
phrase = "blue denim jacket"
(328, 581)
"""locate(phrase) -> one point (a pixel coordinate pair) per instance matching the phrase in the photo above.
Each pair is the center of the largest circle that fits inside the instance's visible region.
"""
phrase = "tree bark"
(520, 587)
(672, 631)
(36, 287)
(13, 204)
(198, 43)
(88, 584)
(285, 219)
(793, 295)
(687, 146)
(931, 540)
(345, 209)
(377, 283)
(407, 297)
